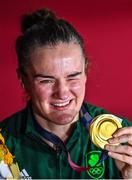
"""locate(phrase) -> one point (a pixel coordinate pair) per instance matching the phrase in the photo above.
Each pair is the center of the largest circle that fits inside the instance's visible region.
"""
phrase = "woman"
(50, 135)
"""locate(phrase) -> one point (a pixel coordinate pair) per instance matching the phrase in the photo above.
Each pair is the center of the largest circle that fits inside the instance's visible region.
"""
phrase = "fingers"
(123, 135)
(121, 152)
(122, 131)
(121, 157)
(121, 149)
(121, 139)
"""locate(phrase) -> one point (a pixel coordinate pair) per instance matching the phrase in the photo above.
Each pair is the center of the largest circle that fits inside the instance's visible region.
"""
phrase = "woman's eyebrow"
(74, 74)
(52, 77)
(43, 76)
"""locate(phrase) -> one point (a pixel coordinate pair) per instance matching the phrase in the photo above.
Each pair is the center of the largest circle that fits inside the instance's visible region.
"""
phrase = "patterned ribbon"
(86, 119)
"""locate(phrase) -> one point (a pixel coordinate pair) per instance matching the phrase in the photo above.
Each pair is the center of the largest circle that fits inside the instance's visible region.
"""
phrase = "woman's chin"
(63, 118)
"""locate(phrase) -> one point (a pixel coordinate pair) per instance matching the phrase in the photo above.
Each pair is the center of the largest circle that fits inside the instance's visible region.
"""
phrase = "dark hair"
(43, 28)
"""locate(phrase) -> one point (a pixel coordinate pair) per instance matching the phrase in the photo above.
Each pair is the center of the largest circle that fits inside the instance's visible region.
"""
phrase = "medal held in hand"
(102, 129)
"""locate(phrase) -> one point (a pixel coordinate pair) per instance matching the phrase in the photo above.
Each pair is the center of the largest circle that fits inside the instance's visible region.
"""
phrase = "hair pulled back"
(42, 28)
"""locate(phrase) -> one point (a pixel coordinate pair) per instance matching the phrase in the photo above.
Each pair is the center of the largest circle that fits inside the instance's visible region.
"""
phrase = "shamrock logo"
(94, 158)
(97, 169)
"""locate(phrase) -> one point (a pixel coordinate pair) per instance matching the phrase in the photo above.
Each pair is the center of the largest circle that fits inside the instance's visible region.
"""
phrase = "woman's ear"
(20, 77)
(23, 83)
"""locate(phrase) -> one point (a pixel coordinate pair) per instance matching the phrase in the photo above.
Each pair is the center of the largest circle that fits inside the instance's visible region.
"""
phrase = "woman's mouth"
(61, 105)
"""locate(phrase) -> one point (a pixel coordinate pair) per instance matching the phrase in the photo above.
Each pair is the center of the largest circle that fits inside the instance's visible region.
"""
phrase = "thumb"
(119, 164)
(127, 172)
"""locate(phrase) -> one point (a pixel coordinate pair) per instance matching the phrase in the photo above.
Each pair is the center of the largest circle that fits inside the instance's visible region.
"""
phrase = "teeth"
(61, 104)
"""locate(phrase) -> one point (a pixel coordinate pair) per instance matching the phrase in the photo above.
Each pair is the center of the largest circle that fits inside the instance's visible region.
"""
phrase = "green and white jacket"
(40, 161)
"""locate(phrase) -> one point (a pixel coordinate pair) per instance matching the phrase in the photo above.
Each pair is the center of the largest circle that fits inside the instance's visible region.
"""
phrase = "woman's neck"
(62, 131)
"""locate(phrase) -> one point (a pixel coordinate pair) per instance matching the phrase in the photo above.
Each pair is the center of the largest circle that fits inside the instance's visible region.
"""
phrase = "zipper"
(37, 139)
(55, 150)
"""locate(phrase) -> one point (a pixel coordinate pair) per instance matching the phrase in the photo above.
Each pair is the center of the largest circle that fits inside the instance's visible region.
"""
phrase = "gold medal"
(102, 128)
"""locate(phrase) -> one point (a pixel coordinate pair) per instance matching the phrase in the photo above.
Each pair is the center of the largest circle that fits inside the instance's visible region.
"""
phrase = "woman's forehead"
(63, 58)
(53, 54)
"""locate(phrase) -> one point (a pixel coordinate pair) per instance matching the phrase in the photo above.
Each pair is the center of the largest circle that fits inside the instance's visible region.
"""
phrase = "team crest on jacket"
(96, 171)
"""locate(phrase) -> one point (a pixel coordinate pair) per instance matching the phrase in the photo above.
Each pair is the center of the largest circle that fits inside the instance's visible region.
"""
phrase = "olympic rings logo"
(96, 170)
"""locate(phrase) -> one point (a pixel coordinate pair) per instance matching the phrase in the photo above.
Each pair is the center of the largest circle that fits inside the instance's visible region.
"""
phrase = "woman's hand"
(122, 153)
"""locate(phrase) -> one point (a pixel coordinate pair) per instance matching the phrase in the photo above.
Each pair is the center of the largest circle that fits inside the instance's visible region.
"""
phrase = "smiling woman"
(56, 83)
(54, 128)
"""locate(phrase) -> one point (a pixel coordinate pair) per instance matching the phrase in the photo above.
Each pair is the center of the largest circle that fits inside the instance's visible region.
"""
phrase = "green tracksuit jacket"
(39, 160)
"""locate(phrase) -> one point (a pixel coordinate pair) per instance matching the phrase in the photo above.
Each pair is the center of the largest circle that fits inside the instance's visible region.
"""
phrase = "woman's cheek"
(78, 87)
(42, 93)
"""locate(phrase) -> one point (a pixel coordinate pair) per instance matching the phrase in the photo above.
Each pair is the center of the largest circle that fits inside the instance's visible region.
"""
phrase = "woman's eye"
(46, 81)
(72, 79)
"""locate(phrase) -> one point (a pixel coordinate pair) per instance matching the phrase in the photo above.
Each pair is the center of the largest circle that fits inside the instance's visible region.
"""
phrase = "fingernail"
(109, 153)
(107, 147)
(111, 140)
(114, 135)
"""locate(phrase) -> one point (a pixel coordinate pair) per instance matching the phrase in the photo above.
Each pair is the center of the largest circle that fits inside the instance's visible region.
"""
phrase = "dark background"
(106, 26)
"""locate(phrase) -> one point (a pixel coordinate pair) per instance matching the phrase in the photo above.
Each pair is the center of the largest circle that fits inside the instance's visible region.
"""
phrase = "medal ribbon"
(86, 119)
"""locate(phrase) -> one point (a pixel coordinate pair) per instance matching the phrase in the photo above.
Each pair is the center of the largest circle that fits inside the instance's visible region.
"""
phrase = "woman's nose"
(61, 90)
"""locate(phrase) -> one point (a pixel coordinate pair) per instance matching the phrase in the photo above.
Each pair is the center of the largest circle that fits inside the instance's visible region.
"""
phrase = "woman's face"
(56, 82)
